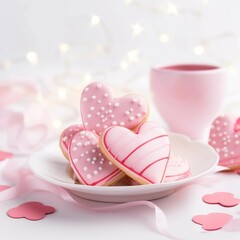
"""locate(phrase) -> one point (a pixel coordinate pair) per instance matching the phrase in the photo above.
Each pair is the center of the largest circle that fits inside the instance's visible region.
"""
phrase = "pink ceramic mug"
(188, 96)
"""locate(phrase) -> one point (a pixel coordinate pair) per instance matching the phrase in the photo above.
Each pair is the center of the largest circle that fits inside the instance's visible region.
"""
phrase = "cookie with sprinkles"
(177, 168)
(89, 164)
(225, 139)
(100, 109)
(67, 136)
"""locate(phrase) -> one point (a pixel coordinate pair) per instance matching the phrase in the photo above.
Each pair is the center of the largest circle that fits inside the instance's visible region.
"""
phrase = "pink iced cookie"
(100, 110)
(143, 155)
(89, 164)
(225, 138)
(177, 169)
(67, 136)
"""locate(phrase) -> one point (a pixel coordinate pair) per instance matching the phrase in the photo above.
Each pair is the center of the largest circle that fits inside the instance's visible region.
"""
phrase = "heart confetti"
(212, 221)
(89, 164)
(31, 211)
(225, 199)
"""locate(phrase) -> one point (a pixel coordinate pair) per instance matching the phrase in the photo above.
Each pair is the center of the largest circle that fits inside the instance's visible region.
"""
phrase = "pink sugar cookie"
(225, 138)
(143, 155)
(89, 164)
(67, 136)
(177, 169)
(100, 110)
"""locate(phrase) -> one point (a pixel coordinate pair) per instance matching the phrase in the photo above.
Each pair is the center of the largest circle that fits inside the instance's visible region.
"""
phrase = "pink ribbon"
(17, 172)
(21, 137)
(29, 183)
(12, 91)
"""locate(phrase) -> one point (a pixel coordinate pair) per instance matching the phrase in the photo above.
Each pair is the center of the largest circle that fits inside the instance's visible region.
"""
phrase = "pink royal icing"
(225, 138)
(177, 169)
(100, 110)
(89, 164)
(68, 134)
(145, 153)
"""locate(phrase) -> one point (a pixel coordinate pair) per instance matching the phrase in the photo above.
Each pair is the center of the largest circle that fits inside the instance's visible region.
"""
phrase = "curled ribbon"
(29, 183)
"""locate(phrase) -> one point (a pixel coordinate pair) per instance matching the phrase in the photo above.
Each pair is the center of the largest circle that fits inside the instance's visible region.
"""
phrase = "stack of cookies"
(115, 141)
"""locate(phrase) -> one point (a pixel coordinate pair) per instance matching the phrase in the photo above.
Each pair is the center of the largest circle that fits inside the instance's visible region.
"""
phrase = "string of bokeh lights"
(60, 95)
(132, 56)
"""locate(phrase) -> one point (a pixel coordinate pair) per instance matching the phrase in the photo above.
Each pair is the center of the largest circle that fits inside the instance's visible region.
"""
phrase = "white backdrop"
(116, 41)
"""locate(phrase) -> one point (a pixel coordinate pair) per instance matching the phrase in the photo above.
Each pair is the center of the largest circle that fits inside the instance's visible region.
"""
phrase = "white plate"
(50, 165)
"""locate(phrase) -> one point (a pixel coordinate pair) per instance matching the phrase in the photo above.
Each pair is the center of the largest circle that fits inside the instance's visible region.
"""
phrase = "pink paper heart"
(225, 138)
(225, 199)
(100, 110)
(89, 164)
(142, 155)
(212, 221)
(67, 136)
(5, 155)
(31, 211)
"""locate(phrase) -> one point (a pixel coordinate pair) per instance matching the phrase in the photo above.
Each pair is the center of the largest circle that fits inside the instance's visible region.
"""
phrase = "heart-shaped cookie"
(177, 168)
(142, 155)
(90, 166)
(225, 138)
(67, 136)
(100, 110)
